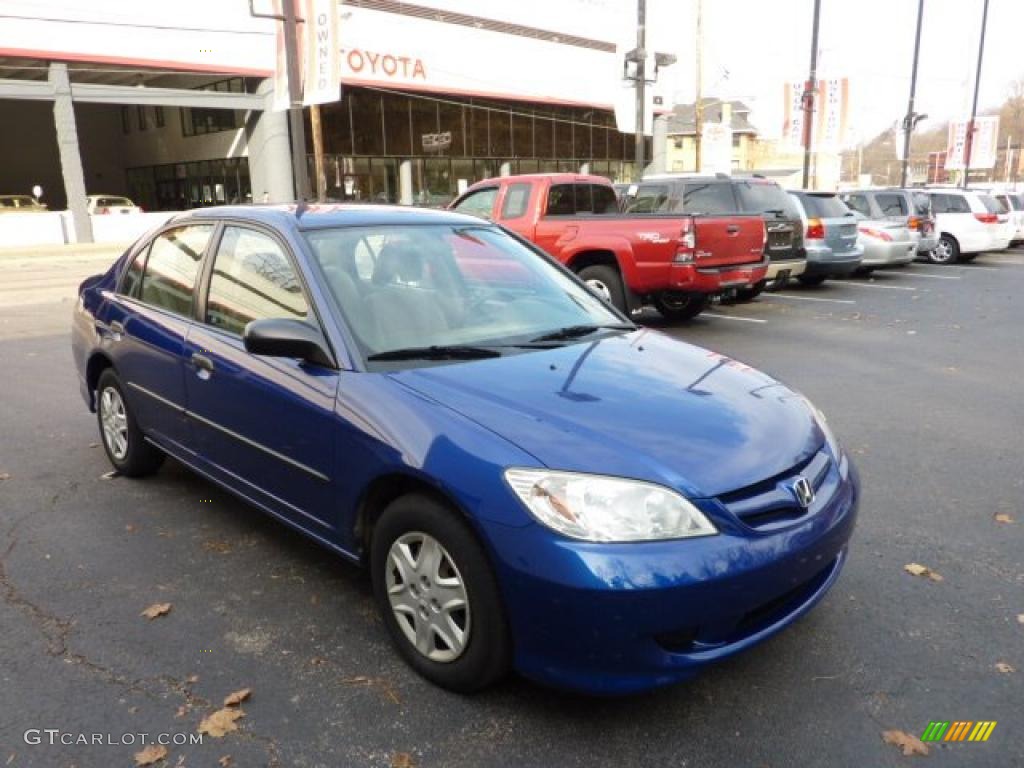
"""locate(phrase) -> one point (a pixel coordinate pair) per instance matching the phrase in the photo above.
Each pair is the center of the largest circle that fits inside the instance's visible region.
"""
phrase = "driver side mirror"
(283, 337)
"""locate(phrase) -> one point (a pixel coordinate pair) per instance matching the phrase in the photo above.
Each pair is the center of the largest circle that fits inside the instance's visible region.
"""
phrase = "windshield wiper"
(576, 331)
(436, 352)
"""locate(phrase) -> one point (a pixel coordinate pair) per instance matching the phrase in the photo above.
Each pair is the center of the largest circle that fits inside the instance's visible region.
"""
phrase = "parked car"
(830, 236)
(20, 204)
(531, 480)
(104, 204)
(886, 243)
(911, 207)
(969, 223)
(1014, 204)
(724, 195)
(675, 261)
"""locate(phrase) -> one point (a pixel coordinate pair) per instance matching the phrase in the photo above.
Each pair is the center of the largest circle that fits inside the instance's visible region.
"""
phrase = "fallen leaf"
(402, 760)
(154, 753)
(1002, 517)
(182, 711)
(236, 698)
(1005, 668)
(155, 610)
(94, 445)
(220, 722)
(4, 476)
(225, 761)
(911, 745)
(11, 758)
(130, 528)
(1020, 618)
(916, 569)
(191, 679)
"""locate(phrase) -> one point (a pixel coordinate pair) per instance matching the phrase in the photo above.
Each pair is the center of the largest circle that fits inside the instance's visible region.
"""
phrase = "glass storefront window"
(522, 134)
(368, 135)
(424, 122)
(543, 137)
(452, 118)
(501, 134)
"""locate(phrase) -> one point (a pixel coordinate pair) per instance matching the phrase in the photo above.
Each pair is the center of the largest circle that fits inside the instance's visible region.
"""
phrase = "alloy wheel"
(428, 596)
(114, 420)
(600, 289)
(942, 252)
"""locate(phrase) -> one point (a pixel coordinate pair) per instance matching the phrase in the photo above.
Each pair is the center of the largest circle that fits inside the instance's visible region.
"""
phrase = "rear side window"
(708, 197)
(956, 204)
(516, 198)
(252, 279)
(649, 198)
(172, 267)
(479, 203)
(1017, 202)
(764, 197)
(991, 204)
(892, 205)
(132, 278)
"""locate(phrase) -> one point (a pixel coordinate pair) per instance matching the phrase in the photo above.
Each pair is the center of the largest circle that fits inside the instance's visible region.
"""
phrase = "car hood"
(638, 405)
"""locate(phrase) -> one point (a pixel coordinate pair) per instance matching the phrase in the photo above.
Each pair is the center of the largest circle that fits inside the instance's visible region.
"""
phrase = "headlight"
(600, 508)
(822, 422)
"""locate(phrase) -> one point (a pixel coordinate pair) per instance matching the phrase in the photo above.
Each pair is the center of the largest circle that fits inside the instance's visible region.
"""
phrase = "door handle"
(202, 363)
(117, 327)
(732, 229)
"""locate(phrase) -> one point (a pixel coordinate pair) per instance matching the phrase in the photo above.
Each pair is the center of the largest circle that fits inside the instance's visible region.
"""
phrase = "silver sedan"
(885, 243)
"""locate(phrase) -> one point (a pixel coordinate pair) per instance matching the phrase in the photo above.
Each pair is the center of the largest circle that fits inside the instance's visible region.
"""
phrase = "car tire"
(122, 438)
(863, 271)
(749, 294)
(606, 282)
(409, 600)
(811, 279)
(947, 251)
(968, 256)
(677, 305)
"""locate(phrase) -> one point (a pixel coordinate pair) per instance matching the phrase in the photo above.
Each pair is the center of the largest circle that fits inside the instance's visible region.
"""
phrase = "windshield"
(408, 287)
(824, 206)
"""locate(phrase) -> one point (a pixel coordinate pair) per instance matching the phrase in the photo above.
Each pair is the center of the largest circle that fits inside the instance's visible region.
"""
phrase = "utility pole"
(969, 144)
(318, 152)
(911, 118)
(810, 89)
(296, 121)
(641, 74)
(698, 105)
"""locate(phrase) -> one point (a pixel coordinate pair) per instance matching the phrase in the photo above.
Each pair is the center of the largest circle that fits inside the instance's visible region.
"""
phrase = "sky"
(752, 47)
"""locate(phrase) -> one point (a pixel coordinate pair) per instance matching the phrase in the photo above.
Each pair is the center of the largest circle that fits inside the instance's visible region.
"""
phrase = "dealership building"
(175, 109)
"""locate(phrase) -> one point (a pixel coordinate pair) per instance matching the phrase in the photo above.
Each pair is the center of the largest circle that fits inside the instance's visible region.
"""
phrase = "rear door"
(264, 424)
(147, 321)
(722, 236)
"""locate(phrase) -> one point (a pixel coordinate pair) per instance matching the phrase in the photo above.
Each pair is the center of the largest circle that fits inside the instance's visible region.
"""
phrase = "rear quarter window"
(892, 205)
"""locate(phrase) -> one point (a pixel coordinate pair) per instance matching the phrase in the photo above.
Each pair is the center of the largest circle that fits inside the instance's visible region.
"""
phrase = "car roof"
(308, 216)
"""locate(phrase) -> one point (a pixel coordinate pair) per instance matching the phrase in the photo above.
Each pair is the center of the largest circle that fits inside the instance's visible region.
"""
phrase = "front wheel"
(676, 305)
(123, 441)
(438, 596)
(606, 282)
(946, 251)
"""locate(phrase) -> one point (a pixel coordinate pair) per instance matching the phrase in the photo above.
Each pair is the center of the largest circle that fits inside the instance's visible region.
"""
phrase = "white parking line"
(855, 284)
(733, 317)
(925, 274)
(805, 298)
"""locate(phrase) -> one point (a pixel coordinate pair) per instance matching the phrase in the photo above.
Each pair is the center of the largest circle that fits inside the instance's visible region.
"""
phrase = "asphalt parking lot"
(919, 370)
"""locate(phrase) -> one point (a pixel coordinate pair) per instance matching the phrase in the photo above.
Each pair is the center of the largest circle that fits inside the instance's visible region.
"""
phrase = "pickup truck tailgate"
(728, 240)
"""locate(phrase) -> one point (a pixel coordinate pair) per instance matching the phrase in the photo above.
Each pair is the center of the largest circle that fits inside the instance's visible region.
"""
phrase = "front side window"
(437, 285)
(172, 267)
(562, 200)
(708, 197)
(604, 199)
(252, 279)
(479, 203)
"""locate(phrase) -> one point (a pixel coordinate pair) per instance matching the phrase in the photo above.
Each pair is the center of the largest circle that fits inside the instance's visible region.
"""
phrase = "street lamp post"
(911, 119)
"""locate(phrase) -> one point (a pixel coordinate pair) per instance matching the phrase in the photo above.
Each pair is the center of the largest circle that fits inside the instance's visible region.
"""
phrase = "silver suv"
(910, 207)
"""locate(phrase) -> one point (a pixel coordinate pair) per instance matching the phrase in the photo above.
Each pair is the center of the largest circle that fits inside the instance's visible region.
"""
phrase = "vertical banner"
(831, 106)
(983, 147)
(322, 76)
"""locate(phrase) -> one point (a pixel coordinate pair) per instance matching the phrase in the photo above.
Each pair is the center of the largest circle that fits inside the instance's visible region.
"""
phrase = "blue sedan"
(533, 481)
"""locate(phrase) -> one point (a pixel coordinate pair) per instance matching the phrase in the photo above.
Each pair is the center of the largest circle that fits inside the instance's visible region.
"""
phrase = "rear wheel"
(123, 441)
(864, 271)
(606, 282)
(749, 294)
(812, 279)
(438, 596)
(677, 305)
(946, 251)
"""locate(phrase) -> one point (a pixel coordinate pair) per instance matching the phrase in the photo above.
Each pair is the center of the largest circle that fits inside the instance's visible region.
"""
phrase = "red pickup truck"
(676, 262)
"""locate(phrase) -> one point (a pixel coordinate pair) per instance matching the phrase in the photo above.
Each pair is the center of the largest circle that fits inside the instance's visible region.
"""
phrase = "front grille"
(771, 503)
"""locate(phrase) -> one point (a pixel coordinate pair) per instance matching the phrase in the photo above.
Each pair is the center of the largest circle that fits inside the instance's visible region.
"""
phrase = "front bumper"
(694, 278)
(619, 618)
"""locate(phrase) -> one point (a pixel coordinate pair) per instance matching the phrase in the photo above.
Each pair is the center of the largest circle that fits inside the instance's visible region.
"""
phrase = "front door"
(263, 424)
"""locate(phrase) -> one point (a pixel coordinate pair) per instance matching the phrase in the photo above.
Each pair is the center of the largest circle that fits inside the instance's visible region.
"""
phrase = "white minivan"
(968, 222)
(1014, 204)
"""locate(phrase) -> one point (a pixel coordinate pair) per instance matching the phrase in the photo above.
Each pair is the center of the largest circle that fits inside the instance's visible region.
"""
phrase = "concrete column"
(405, 182)
(585, 169)
(505, 170)
(659, 143)
(270, 159)
(67, 148)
